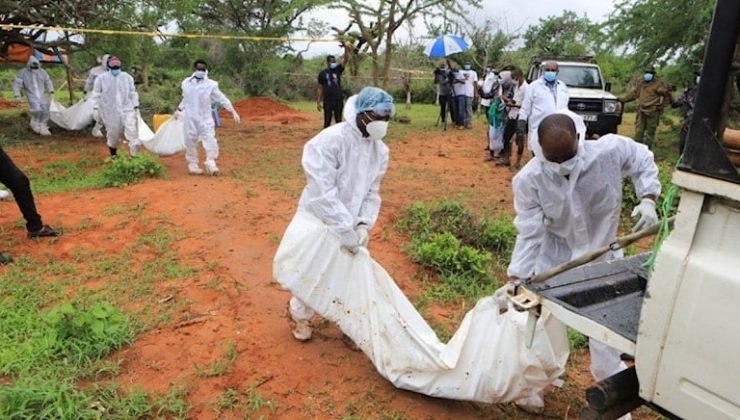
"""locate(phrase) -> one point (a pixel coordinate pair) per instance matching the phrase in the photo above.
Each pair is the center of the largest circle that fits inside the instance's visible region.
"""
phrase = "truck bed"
(608, 293)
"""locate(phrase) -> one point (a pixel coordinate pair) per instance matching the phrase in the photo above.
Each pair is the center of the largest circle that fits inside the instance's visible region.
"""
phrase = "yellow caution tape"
(8, 27)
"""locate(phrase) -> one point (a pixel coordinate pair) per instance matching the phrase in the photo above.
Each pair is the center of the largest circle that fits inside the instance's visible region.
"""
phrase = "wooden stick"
(620, 243)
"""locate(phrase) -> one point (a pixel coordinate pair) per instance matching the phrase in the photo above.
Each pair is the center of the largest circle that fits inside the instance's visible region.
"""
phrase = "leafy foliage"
(567, 34)
(125, 170)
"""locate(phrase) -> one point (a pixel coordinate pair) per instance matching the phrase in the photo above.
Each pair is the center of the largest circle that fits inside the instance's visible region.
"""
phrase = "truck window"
(580, 77)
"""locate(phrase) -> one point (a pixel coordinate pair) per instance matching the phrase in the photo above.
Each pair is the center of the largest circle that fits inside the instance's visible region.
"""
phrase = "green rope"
(665, 210)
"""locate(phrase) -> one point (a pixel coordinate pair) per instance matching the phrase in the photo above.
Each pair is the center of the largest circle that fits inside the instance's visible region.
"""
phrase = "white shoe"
(44, 131)
(211, 168)
(34, 127)
(133, 149)
(97, 132)
(302, 330)
(194, 169)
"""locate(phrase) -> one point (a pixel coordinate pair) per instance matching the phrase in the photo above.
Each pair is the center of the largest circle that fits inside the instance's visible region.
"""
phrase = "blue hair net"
(374, 99)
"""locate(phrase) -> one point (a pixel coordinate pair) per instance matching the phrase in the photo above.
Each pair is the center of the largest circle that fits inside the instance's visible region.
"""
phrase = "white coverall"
(197, 96)
(559, 218)
(343, 173)
(35, 83)
(90, 85)
(538, 103)
(116, 100)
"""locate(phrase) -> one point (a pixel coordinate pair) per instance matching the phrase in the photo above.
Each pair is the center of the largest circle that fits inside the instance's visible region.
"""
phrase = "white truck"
(590, 95)
(682, 321)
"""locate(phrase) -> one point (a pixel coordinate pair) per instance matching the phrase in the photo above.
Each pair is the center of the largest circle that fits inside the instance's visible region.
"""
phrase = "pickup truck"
(589, 94)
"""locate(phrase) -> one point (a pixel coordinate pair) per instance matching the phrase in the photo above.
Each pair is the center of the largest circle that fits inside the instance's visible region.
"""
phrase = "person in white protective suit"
(90, 85)
(116, 104)
(568, 201)
(344, 165)
(198, 93)
(35, 81)
(543, 97)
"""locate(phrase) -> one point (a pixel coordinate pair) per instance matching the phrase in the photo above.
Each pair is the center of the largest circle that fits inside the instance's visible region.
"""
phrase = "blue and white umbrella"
(445, 45)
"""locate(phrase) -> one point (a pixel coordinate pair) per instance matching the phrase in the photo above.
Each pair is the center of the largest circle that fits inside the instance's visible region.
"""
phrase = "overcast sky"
(513, 16)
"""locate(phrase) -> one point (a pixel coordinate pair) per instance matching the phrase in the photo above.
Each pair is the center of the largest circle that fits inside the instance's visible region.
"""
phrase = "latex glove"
(646, 213)
(521, 126)
(236, 117)
(363, 235)
(177, 115)
(350, 241)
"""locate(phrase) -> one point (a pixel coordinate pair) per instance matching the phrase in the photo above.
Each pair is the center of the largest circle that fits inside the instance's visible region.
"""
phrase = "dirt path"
(233, 224)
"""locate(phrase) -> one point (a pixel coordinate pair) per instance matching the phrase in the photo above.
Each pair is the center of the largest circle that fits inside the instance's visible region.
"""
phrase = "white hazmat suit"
(90, 85)
(343, 172)
(559, 218)
(197, 96)
(538, 103)
(35, 83)
(116, 103)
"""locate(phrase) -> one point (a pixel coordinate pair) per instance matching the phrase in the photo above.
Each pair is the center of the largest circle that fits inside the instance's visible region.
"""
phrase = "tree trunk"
(69, 81)
(374, 56)
(388, 59)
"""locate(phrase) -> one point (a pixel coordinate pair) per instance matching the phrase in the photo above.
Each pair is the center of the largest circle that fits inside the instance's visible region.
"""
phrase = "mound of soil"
(5, 104)
(266, 109)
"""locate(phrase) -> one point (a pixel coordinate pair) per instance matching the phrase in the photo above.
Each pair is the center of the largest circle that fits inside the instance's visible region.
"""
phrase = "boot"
(302, 330)
(113, 151)
(133, 149)
(211, 168)
(194, 169)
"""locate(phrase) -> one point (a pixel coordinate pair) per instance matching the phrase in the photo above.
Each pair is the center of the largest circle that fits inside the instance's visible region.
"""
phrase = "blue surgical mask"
(333, 65)
(467, 67)
(647, 76)
(115, 72)
(551, 76)
(199, 74)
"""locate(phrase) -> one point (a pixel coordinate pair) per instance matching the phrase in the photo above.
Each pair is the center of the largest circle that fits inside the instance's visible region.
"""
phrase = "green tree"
(567, 34)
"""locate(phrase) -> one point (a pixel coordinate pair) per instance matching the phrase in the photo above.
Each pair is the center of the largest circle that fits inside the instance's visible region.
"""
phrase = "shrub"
(629, 197)
(125, 170)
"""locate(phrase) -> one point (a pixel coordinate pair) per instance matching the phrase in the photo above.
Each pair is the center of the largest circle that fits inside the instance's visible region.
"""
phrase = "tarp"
(19, 53)
(486, 360)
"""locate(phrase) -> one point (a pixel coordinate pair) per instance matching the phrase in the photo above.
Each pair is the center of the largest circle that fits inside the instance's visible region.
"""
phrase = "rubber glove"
(646, 213)
(236, 116)
(350, 241)
(363, 235)
(500, 296)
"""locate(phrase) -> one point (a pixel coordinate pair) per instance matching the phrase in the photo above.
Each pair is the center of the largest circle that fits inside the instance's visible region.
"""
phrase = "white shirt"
(457, 87)
(343, 171)
(470, 82)
(559, 218)
(538, 103)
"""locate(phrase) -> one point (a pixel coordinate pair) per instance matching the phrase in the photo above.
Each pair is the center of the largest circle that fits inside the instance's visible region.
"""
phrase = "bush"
(630, 199)
(125, 170)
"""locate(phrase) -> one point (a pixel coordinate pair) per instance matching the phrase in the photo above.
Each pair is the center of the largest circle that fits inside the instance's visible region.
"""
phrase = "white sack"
(486, 360)
(74, 118)
(168, 140)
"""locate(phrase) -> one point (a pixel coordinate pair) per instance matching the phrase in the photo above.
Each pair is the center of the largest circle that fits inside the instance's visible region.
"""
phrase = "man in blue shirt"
(329, 93)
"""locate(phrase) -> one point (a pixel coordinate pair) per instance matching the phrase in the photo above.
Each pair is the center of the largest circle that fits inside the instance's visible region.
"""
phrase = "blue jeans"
(461, 109)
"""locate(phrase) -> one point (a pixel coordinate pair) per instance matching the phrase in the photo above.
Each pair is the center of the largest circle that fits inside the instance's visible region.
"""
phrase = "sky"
(512, 19)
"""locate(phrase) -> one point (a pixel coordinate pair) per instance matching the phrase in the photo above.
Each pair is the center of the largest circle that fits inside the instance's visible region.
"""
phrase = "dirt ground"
(233, 223)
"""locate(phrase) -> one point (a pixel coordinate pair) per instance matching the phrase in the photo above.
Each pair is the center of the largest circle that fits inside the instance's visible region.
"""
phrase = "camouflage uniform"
(651, 97)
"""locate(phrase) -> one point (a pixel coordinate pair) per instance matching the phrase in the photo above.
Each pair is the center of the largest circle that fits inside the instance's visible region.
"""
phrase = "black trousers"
(332, 107)
(445, 106)
(17, 182)
(509, 133)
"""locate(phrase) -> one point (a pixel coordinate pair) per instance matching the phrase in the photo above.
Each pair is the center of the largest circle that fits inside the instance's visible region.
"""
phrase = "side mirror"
(608, 86)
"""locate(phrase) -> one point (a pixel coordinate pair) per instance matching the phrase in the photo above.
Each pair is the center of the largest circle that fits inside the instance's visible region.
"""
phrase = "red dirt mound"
(5, 104)
(266, 109)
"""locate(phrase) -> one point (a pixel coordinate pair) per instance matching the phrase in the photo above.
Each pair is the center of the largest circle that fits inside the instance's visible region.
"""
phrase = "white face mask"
(565, 168)
(377, 129)
(199, 74)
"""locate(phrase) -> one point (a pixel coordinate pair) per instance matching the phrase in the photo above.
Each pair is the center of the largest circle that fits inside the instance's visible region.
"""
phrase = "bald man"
(568, 201)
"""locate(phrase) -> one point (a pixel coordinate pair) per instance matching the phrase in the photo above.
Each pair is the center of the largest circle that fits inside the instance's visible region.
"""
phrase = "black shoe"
(627, 357)
(5, 259)
(113, 151)
(45, 231)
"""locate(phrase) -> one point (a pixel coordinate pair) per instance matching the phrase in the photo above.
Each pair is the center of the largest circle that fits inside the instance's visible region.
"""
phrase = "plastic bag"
(495, 138)
(168, 140)
(74, 118)
(486, 360)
